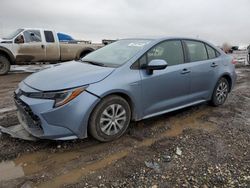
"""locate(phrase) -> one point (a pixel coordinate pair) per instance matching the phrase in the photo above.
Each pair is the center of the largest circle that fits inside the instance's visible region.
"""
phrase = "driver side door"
(165, 89)
(32, 48)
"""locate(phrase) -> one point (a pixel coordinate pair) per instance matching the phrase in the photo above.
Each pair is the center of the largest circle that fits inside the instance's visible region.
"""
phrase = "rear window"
(49, 37)
(197, 51)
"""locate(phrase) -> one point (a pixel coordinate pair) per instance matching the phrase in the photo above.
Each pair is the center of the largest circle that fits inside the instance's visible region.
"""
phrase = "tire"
(83, 54)
(220, 92)
(104, 125)
(4, 65)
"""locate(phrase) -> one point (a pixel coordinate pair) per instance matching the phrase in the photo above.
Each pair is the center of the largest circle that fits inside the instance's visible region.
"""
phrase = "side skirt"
(173, 109)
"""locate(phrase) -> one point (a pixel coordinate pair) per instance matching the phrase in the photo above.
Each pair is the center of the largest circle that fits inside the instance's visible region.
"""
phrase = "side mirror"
(156, 64)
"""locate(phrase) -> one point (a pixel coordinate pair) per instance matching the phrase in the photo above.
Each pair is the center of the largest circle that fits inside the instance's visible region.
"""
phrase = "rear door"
(204, 62)
(52, 49)
(32, 49)
(168, 88)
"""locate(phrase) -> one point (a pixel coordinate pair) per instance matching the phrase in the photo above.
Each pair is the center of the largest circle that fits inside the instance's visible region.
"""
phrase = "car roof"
(164, 38)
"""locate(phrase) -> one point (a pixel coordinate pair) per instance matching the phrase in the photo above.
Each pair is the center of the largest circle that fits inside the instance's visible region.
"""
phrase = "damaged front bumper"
(40, 120)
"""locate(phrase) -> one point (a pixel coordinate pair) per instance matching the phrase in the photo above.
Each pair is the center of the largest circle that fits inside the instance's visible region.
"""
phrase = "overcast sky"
(217, 21)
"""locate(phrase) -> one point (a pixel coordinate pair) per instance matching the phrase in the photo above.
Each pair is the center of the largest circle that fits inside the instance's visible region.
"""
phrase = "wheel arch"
(8, 54)
(84, 52)
(128, 98)
(229, 80)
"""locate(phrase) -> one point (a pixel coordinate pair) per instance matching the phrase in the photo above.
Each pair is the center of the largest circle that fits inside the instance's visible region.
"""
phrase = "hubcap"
(113, 119)
(221, 92)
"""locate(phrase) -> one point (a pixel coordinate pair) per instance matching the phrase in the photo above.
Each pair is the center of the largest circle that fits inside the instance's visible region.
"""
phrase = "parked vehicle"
(131, 79)
(40, 45)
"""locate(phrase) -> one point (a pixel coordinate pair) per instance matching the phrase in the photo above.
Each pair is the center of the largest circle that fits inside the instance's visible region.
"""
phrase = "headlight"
(60, 97)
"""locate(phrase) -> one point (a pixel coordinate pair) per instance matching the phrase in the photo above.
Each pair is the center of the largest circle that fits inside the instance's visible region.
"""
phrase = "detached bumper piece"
(17, 131)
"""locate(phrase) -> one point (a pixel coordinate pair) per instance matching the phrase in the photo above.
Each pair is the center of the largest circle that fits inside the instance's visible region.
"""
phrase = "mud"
(214, 142)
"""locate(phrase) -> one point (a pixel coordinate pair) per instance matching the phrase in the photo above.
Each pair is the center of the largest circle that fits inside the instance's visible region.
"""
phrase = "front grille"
(32, 121)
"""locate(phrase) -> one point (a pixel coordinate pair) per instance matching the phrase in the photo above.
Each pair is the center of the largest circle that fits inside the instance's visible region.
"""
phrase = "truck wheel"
(4, 65)
(110, 119)
(84, 53)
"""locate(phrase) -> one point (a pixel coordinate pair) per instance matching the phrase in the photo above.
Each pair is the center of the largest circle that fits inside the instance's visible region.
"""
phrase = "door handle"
(42, 46)
(185, 71)
(214, 65)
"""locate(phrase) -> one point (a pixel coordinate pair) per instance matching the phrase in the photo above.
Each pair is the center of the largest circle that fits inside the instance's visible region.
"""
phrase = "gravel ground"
(200, 146)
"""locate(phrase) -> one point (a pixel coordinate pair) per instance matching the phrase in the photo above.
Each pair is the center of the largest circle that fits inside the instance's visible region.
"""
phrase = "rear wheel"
(110, 119)
(4, 65)
(220, 93)
(83, 54)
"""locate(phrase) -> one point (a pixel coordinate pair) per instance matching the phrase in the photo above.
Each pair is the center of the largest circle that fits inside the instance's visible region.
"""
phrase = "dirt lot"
(200, 146)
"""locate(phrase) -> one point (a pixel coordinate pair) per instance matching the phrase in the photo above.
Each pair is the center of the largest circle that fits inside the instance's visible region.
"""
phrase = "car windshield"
(13, 34)
(117, 53)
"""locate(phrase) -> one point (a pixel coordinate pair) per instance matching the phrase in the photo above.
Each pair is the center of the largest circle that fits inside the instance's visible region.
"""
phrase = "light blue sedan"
(128, 80)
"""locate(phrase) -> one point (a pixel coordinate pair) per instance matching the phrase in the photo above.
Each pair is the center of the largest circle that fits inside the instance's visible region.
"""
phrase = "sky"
(217, 21)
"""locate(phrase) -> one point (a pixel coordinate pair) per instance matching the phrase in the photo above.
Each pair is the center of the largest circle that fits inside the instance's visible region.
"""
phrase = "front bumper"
(41, 120)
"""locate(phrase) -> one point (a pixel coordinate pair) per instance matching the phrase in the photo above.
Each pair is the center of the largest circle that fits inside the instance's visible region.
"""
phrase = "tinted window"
(197, 51)
(49, 36)
(170, 51)
(32, 36)
(211, 52)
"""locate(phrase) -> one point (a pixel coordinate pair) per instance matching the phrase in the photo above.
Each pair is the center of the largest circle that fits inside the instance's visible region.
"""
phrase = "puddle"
(179, 124)
(69, 167)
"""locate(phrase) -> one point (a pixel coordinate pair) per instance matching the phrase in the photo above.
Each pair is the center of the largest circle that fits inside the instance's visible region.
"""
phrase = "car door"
(165, 89)
(202, 58)
(52, 49)
(32, 49)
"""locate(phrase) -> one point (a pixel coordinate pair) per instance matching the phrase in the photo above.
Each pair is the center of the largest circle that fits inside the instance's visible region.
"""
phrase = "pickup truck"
(40, 45)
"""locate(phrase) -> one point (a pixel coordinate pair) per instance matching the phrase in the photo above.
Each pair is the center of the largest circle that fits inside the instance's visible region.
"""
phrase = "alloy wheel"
(113, 119)
(221, 92)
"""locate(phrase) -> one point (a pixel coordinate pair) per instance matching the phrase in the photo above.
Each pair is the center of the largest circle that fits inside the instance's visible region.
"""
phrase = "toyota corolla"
(128, 80)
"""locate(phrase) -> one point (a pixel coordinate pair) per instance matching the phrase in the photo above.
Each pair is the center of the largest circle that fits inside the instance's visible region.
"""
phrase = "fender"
(129, 98)
(10, 55)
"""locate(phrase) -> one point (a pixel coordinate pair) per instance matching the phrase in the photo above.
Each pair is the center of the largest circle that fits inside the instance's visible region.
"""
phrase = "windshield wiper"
(94, 63)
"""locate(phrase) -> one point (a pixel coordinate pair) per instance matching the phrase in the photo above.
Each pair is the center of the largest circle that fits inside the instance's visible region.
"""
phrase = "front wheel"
(110, 119)
(4, 65)
(220, 93)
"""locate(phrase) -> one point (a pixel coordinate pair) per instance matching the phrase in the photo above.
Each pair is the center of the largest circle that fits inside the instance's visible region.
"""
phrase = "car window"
(32, 36)
(197, 51)
(170, 51)
(49, 36)
(211, 52)
(117, 53)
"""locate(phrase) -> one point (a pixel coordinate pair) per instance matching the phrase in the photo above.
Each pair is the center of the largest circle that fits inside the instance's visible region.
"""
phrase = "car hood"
(67, 75)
